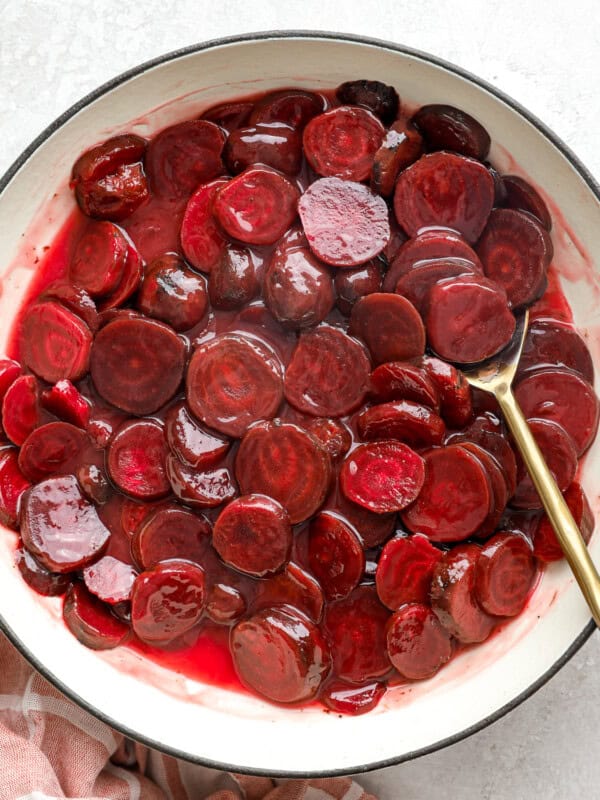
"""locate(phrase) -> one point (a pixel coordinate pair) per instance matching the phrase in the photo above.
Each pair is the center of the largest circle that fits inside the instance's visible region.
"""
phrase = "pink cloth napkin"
(50, 748)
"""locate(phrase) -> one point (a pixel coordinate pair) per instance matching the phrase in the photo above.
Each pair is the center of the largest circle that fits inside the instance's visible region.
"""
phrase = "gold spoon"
(496, 376)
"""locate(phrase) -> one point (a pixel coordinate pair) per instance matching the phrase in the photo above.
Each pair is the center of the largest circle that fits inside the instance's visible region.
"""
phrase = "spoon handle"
(564, 525)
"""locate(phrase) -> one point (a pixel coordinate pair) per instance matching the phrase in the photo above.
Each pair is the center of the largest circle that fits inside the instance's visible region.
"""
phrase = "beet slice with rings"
(274, 144)
(417, 644)
(515, 250)
(520, 195)
(253, 534)
(417, 284)
(280, 654)
(136, 460)
(110, 580)
(352, 284)
(167, 601)
(346, 223)
(171, 532)
(448, 128)
(404, 570)
(49, 584)
(207, 489)
(257, 206)
(99, 258)
(191, 442)
(91, 621)
(401, 147)
(137, 364)
(294, 107)
(21, 412)
(13, 485)
(53, 448)
(401, 380)
(348, 698)
(202, 241)
(286, 463)
(455, 499)
(373, 528)
(468, 319)
(444, 190)
(389, 325)
(496, 445)
(60, 527)
(382, 476)
(545, 544)
(55, 344)
(233, 282)
(9, 372)
(297, 288)
(130, 282)
(294, 587)
(66, 402)
(550, 343)
(334, 436)
(342, 143)
(335, 555)
(225, 604)
(564, 397)
(94, 483)
(173, 293)
(379, 98)
(356, 629)
(453, 595)
(498, 486)
(183, 156)
(76, 300)
(328, 373)
(410, 422)
(233, 381)
(456, 405)
(230, 116)
(504, 574)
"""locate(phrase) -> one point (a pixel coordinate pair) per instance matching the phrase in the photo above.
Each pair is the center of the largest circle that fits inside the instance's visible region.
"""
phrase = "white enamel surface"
(213, 725)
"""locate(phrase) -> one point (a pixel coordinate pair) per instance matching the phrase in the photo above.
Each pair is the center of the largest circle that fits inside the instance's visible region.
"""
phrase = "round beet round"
(297, 288)
(136, 460)
(401, 147)
(110, 580)
(202, 241)
(401, 380)
(409, 422)
(172, 293)
(389, 325)
(405, 569)
(334, 436)
(91, 621)
(504, 574)
(335, 555)
(99, 259)
(225, 604)
(520, 195)
(448, 128)
(293, 587)
(233, 281)
(208, 488)
(456, 404)
(275, 144)
(21, 412)
(171, 532)
(545, 544)
(550, 343)
(348, 698)
(352, 284)
(417, 644)
(51, 449)
(192, 443)
(417, 284)
(294, 107)
(44, 582)
(13, 485)
(379, 98)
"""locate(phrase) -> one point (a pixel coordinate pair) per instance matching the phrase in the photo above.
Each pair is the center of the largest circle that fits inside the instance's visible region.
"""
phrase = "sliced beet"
(546, 547)
(401, 147)
(396, 240)
(373, 528)
(401, 419)
(135, 513)
(448, 128)
(50, 584)
(455, 499)
(515, 250)
(110, 580)
(60, 527)
(137, 364)
(130, 282)
(417, 284)
(453, 595)
(13, 485)
(183, 156)
(275, 144)
(456, 406)
(99, 258)
(405, 569)
(335, 555)
(53, 448)
(401, 380)
(342, 143)
(233, 281)
(334, 436)
(297, 288)
(520, 195)
(257, 206)
(379, 98)
(91, 621)
(9, 372)
(233, 381)
(293, 587)
(496, 445)
(21, 413)
(444, 190)
(94, 483)
(76, 300)
(286, 463)
(55, 344)
(207, 489)
(170, 532)
(191, 442)
(468, 319)
(550, 343)
(389, 325)
(202, 241)
(346, 223)
(382, 476)
(348, 698)
(328, 373)
(167, 601)
(294, 107)
(172, 293)
(352, 284)
(280, 654)
(498, 486)
(136, 460)
(66, 402)
(253, 534)
(504, 574)
(225, 604)
(417, 644)
(564, 397)
(230, 116)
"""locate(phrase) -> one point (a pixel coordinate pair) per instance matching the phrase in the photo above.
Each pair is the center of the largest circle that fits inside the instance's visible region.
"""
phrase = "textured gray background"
(542, 52)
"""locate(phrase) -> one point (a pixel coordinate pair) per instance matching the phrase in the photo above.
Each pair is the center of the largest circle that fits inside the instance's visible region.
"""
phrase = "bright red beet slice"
(334, 436)
(373, 528)
(94, 483)
(355, 627)
(297, 288)
(286, 463)
(133, 272)
(520, 195)
(206, 489)
(172, 293)
(401, 380)
(167, 601)
(192, 443)
(379, 98)
(448, 128)
(444, 190)
(9, 372)
(515, 250)
(401, 147)
(50, 584)
(564, 397)
(66, 402)
(390, 326)
(335, 555)
(402, 419)
(498, 486)
(91, 621)
(455, 499)
(504, 574)
(21, 413)
(13, 485)
(346, 223)
(468, 319)
(275, 144)
(99, 258)
(171, 532)
(55, 344)
(257, 206)
(233, 281)
(453, 599)
(328, 373)
(417, 284)
(405, 569)
(456, 406)
(342, 143)
(225, 604)
(280, 654)
(202, 241)
(351, 284)
(493, 442)
(293, 587)
(53, 448)
(134, 514)
(233, 381)
(136, 460)
(347, 698)
(76, 300)
(137, 364)
(545, 544)
(417, 644)
(554, 344)
(183, 156)
(253, 534)
(292, 106)
(229, 115)
(382, 476)
(110, 580)
(60, 527)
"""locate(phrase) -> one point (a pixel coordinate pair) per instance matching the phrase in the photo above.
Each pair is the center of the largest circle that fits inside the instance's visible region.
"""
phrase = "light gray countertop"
(543, 53)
